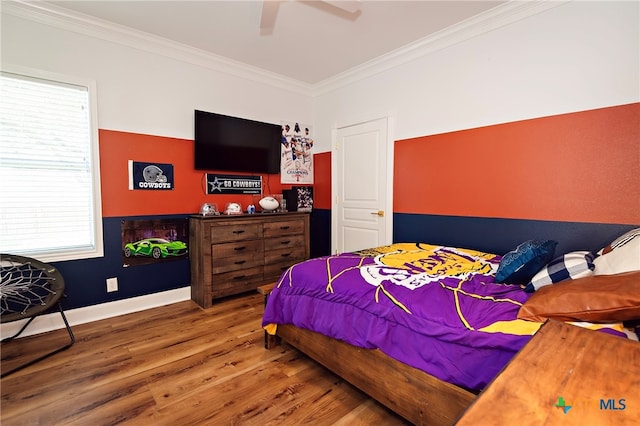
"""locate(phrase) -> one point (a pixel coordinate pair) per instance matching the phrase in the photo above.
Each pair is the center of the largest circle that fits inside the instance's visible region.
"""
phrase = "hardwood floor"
(178, 365)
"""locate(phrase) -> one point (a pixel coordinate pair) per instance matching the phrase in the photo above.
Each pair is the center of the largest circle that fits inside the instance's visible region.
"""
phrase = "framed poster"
(305, 198)
(153, 241)
(296, 164)
(299, 198)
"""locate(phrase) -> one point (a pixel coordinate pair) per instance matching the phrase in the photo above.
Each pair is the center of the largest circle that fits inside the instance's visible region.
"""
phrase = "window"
(49, 170)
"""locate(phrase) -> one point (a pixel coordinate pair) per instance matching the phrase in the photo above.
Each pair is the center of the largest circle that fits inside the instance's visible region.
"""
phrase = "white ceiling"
(311, 41)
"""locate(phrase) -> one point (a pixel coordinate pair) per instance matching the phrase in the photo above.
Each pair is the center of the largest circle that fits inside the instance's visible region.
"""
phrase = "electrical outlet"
(112, 284)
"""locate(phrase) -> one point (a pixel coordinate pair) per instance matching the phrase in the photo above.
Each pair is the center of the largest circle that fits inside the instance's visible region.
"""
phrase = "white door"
(362, 184)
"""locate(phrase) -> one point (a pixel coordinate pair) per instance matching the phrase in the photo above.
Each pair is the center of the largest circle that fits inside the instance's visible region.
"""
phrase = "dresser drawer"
(283, 227)
(234, 263)
(235, 232)
(287, 241)
(227, 282)
(239, 248)
(289, 255)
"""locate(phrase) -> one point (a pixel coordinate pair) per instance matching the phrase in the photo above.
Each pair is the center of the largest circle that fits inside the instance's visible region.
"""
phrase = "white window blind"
(49, 189)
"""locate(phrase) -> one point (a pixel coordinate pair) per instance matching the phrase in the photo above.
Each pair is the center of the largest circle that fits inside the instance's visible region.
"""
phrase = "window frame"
(74, 253)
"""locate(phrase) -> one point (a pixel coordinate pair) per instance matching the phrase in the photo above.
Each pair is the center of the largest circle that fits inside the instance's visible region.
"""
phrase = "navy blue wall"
(502, 235)
(85, 280)
(320, 224)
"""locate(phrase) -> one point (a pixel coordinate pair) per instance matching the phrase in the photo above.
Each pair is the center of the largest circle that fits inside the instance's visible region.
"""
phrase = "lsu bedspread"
(435, 308)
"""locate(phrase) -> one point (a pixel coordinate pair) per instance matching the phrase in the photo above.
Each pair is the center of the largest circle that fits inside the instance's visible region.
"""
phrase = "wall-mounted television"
(234, 144)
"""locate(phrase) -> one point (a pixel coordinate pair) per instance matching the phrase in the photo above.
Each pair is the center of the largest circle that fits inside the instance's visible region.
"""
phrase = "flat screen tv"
(234, 144)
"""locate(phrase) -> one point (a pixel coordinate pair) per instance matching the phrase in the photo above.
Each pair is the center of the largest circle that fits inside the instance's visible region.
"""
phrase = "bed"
(421, 328)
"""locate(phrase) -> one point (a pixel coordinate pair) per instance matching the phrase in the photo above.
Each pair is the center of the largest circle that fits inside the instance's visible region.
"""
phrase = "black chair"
(29, 288)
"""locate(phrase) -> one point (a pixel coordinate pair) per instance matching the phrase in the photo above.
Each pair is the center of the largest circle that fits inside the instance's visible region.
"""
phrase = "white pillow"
(620, 241)
(624, 255)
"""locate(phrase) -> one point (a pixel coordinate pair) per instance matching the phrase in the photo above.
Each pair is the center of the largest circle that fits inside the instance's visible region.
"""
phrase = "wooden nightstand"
(565, 375)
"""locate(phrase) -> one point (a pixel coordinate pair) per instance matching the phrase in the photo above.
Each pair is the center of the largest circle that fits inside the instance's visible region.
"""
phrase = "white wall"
(144, 91)
(577, 56)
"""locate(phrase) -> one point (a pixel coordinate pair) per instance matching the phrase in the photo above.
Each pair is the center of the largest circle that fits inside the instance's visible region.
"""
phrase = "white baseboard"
(53, 321)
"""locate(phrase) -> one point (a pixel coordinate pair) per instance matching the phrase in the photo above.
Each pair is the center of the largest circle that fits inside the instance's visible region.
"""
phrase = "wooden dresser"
(565, 375)
(235, 254)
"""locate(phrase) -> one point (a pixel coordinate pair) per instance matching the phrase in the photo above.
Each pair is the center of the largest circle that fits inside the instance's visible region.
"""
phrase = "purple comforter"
(435, 308)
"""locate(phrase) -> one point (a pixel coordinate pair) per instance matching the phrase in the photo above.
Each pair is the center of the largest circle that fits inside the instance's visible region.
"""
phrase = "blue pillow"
(576, 264)
(520, 265)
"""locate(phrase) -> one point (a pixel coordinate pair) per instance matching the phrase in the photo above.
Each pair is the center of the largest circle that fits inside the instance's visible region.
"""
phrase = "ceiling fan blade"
(350, 6)
(269, 15)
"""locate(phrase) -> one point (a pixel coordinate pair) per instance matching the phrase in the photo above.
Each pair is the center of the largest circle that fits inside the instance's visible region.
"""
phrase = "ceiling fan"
(270, 10)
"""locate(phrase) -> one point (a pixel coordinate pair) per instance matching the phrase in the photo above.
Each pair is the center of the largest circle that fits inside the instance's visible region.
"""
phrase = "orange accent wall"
(322, 181)
(117, 148)
(582, 167)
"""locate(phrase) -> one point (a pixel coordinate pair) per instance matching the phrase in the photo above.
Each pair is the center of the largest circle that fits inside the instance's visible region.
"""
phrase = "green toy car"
(155, 247)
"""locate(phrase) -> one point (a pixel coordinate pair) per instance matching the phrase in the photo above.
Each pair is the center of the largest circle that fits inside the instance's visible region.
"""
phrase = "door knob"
(379, 213)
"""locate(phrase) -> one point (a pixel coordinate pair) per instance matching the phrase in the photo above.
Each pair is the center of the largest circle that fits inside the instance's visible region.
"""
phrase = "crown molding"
(499, 16)
(65, 19)
(52, 15)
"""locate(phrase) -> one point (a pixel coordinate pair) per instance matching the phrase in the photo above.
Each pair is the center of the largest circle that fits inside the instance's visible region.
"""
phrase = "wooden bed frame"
(415, 395)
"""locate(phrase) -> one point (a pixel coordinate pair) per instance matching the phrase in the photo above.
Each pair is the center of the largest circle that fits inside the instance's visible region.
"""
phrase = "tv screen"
(236, 144)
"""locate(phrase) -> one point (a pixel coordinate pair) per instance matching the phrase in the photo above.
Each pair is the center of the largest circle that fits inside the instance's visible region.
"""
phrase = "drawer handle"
(239, 248)
(285, 255)
(240, 262)
(240, 277)
(240, 231)
(284, 227)
(285, 242)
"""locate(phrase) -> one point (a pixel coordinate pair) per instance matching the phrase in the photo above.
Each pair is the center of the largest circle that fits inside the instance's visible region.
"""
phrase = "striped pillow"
(576, 264)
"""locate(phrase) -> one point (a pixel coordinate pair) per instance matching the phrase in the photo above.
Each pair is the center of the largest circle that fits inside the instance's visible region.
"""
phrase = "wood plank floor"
(178, 365)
